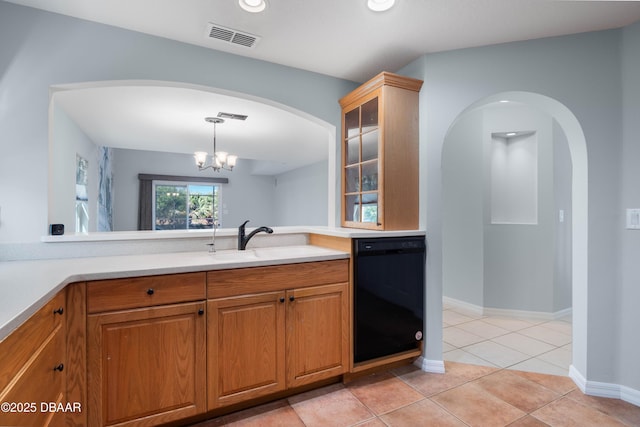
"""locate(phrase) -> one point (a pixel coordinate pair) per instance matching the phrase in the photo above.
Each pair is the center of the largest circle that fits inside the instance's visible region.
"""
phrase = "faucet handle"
(243, 225)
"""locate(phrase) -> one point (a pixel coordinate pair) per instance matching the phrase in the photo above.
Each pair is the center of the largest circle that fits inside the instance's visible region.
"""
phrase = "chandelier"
(220, 159)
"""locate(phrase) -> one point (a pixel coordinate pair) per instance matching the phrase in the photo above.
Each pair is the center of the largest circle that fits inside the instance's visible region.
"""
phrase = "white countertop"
(350, 233)
(25, 286)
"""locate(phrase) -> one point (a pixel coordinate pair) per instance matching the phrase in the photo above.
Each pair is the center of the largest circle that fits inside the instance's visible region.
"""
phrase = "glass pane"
(352, 123)
(370, 115)
(352, 208)
(352, 183)
(171, 207)
(353, 150)
(370, 208)
(201, 203)
(370, 146)
(370, 176)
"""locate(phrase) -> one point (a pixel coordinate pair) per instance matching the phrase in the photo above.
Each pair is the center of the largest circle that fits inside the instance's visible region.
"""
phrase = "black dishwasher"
(389, 281)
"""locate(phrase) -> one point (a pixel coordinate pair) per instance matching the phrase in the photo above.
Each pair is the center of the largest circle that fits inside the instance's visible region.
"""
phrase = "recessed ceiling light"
(380, 5)
(503, 101)
(253, 6)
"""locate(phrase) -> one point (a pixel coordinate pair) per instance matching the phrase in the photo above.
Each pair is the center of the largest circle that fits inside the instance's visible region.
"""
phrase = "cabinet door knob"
(58, 311)
(150, 291)
(59, 368)
(292, 298)
(201, 311)
(281, 299)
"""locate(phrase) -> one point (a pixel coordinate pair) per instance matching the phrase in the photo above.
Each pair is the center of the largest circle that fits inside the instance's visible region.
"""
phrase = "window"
(185, 205)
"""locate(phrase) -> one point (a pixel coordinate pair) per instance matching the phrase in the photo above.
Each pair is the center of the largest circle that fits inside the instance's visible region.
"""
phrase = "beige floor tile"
(557, 383)
(540, 366)
(461, 356)
(547, 335)
(496, 354)
(509, 323)
(559, 326)
(524, 344)
(560, 357)
(451, 317)
(459, 338)
(483, 329)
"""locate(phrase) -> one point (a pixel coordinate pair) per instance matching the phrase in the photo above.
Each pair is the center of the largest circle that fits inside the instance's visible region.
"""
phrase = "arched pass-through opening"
(579, 206)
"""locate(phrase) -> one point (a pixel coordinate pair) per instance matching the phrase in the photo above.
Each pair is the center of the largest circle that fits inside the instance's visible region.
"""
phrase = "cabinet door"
(245, 347)
(146, 366)
(361, 173)
(317, 333)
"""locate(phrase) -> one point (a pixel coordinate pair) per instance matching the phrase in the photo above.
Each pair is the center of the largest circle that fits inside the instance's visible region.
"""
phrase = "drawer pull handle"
(281, 299)
(292, 298)
(150, 291)
(58, 311)
(201, 311)
(59, 368)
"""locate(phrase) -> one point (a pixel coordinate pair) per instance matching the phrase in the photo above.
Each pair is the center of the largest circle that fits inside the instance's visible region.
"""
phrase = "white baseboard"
(488, 311)
(432, 366)
(600, 389)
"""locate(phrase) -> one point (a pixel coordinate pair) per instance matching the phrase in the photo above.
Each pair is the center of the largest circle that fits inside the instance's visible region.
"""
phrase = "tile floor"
(466, 395)
(512, 343)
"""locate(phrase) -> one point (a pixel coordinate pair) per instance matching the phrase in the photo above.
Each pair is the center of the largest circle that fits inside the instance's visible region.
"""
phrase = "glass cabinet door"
(361, 166)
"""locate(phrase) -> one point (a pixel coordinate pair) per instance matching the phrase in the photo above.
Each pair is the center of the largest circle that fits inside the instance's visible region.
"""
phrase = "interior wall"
(506, 266)
(562, 172)
(581, 74)
(627, 313)
(463, 211)
(75, 141)
(518, 257)
(300, 196)
(245, 197)
(82, 51)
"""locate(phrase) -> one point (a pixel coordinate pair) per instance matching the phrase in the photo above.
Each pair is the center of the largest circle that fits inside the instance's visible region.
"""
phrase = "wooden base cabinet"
(146, 366)
(278, 339)
(32, 369)
(246, 347)
(146, 349)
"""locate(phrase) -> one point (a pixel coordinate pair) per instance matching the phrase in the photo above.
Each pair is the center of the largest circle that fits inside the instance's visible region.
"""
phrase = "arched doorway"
(576, 143)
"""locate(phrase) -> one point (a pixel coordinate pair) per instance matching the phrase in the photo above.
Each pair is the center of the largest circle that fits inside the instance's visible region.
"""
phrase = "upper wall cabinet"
(380, 154)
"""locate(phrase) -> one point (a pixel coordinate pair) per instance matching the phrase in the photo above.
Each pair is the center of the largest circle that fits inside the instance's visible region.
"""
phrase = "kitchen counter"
(25, 286)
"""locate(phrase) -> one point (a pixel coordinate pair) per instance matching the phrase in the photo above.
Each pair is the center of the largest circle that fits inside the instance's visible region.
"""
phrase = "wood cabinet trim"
(244, 281)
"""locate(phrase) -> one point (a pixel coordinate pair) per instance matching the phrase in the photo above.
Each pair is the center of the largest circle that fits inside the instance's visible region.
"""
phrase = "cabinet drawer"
(242, 281)
(17, 348)
(147, 291)
(39, 383)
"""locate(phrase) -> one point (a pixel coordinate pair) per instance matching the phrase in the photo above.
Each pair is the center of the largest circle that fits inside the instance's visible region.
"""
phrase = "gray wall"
(626, 313)
(301, 196)
(41, 49)
(582, 72)
(595, 75)
(504, 266)
(245, 197)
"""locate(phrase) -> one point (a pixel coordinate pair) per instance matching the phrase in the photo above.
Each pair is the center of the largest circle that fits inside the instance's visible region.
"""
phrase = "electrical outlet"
(633, 219)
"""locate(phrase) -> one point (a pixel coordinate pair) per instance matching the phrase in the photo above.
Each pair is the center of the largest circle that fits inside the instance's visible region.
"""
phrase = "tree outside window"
(185, 206)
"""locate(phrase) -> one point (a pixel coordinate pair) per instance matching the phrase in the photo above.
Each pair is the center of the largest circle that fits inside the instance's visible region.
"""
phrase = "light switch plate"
(633, 219)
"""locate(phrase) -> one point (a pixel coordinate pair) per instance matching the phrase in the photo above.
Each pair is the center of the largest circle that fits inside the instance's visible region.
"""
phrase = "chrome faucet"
(212, 245)
(244, 239)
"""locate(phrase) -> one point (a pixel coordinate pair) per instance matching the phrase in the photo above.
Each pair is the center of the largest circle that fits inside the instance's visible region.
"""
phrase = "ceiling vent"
(218, 32)
(232, 116)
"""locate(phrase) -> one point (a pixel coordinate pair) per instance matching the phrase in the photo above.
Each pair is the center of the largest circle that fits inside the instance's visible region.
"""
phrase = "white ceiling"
(155, 116)
(340, 38)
